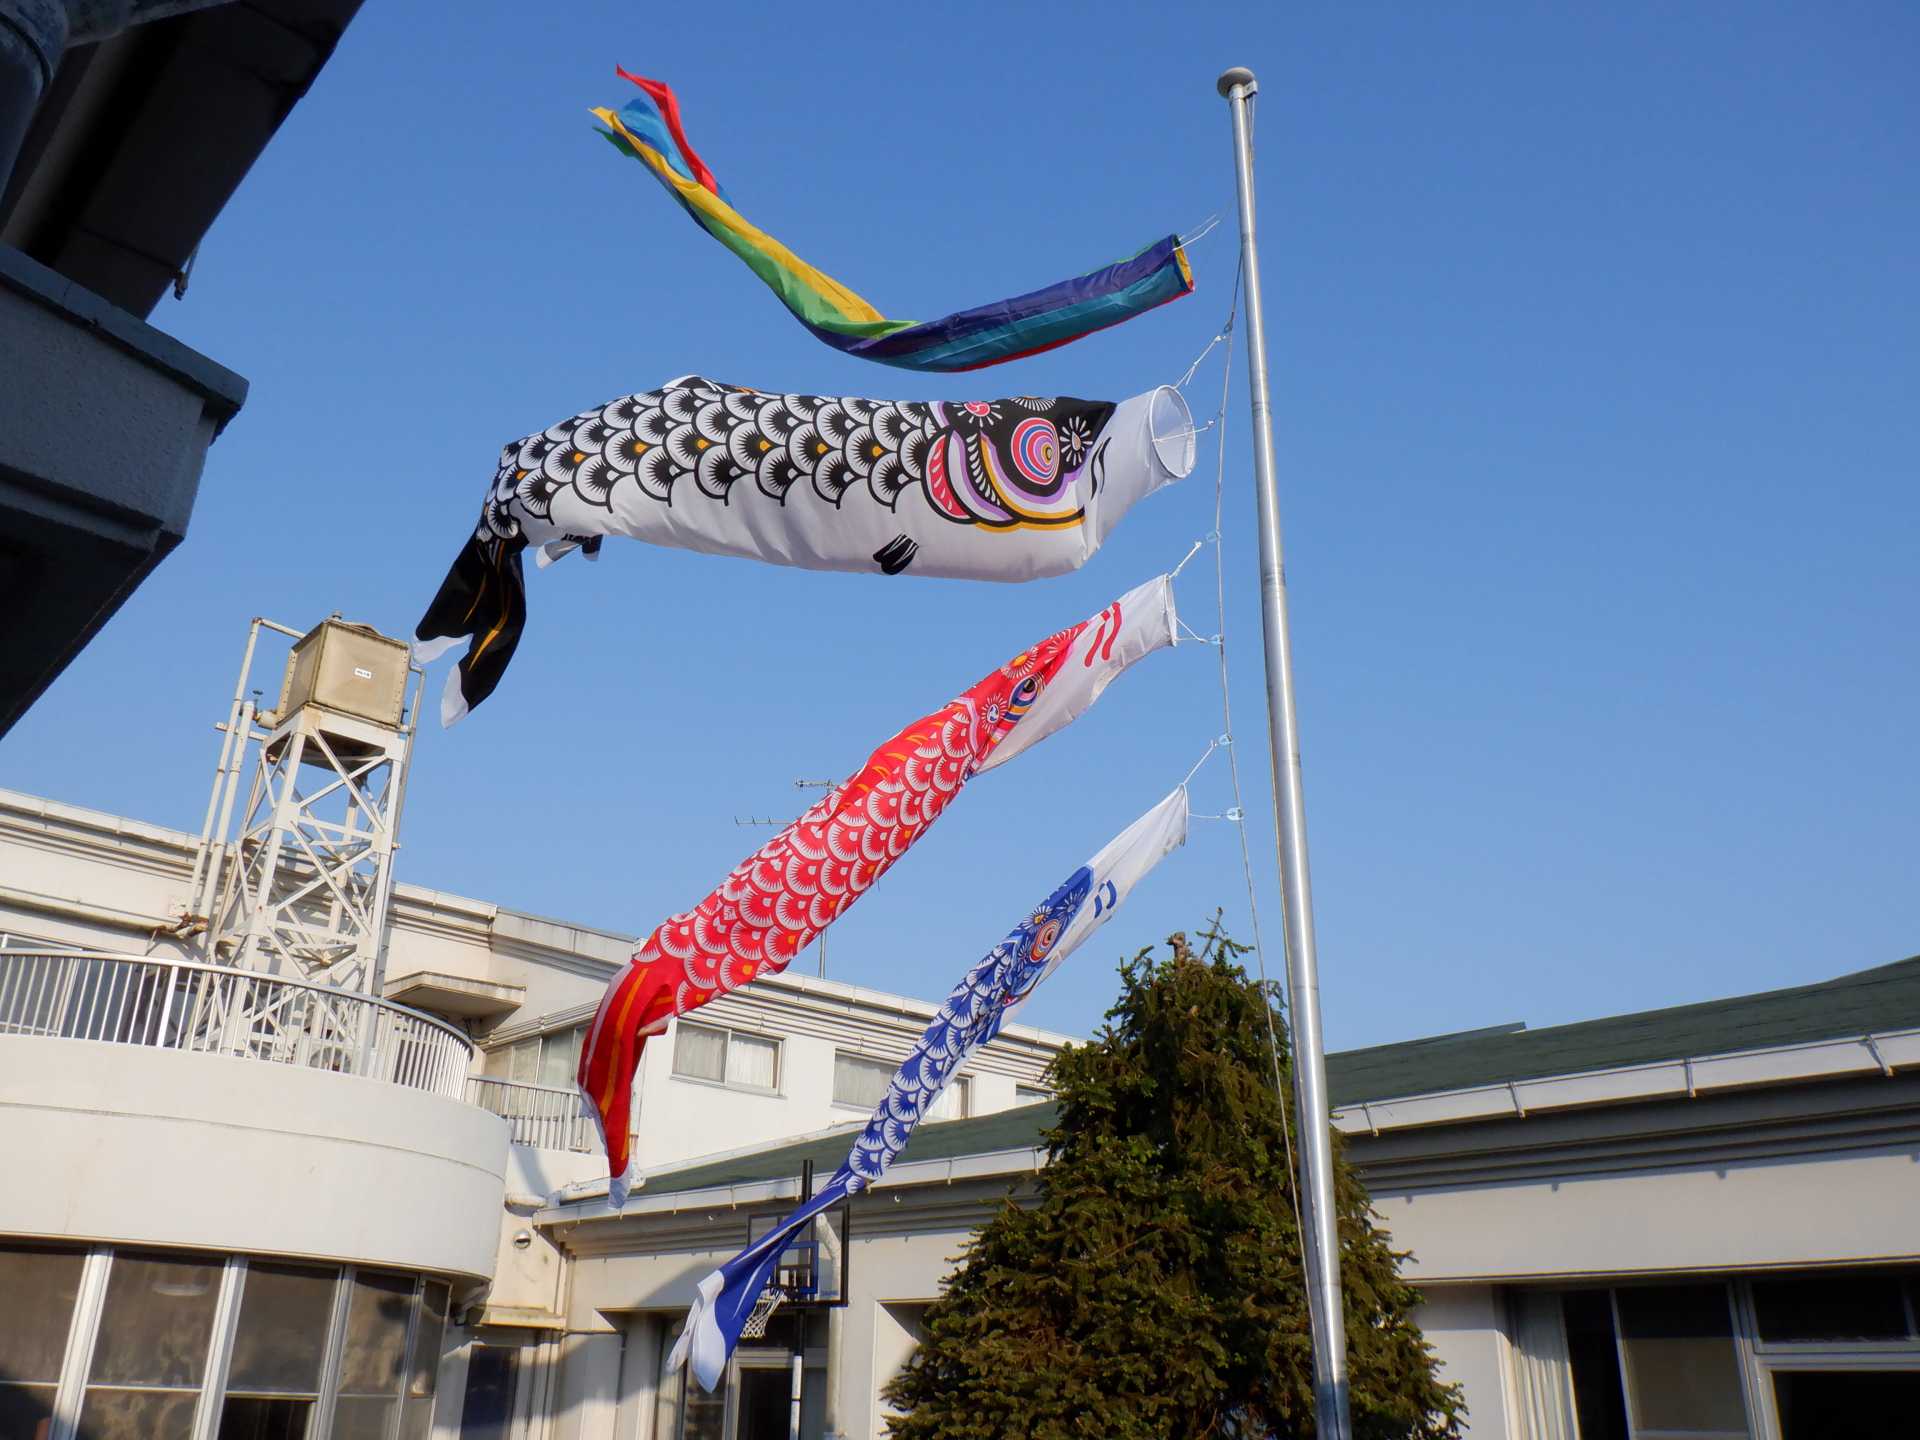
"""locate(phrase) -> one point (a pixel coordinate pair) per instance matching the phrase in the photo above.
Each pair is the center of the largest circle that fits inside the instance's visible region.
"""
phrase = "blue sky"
(1594, 356)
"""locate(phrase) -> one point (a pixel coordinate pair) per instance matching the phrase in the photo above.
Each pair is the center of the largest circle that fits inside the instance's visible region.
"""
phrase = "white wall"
(1466, 1328)
(529, 1281)
(886, 1271)
(895, 1338)
(682, 1119)
(1806, 1210)
(589, 1387)
(120, 1142)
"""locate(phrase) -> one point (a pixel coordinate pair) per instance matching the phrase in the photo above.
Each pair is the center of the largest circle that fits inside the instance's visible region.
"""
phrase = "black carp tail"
(483, 600)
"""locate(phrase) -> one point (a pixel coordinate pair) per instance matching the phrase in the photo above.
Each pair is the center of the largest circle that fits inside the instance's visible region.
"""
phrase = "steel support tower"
(302, 888)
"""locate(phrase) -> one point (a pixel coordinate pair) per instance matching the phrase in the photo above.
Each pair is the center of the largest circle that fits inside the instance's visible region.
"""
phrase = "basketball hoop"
(762, 1312)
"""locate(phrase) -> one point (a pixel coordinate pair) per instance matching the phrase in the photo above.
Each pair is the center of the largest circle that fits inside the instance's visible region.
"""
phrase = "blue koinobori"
(986, 997)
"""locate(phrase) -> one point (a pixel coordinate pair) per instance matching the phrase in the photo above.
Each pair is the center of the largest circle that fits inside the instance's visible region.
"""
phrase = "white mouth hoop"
(1170, 429)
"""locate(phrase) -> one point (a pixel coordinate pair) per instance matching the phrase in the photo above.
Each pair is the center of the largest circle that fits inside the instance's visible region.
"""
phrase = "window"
(375, 1358)
(273, 1379)
(862, 1082)
(488, 1405)
(560, 1056)
(1594, 1356)
(726, 1057)
(1030, 1095)
(1652, 1362)
(40, 1286)
(151, 1355)
(1683, 1375)
(1816, 1403)
(755, 1397)
(753, 1061)
(1832, 1308)
(550, 1059)
(952, 1103)
(152, 1315)
(683, 1411)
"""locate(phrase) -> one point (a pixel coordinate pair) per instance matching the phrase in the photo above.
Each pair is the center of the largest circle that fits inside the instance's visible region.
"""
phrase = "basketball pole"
(1321, 1243)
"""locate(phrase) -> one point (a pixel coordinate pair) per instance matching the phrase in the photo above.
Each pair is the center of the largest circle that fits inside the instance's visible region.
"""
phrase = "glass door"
(764, 1407)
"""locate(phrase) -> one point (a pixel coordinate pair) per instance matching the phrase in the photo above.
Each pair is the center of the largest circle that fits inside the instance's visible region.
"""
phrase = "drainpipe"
(830, 1419)
(35, 34)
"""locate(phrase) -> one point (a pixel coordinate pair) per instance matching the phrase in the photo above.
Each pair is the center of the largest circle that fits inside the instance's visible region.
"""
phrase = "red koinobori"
(783, 895)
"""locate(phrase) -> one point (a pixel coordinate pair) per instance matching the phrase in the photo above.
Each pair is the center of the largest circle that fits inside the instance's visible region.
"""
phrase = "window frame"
(728, 1032)
(671, 1396)
(80, 1358)
(1759, 1361)
(864, 1107)
(536, 1043)
(1628, 1386)
(1831, 1354)
(960, 1084)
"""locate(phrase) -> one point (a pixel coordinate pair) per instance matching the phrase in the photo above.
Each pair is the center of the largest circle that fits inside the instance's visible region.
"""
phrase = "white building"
(1701, 1222)
(378, 1160)
(1695, 1222)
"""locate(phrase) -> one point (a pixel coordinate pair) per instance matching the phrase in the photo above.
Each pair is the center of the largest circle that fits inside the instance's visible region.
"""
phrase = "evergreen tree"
(1155, 1288)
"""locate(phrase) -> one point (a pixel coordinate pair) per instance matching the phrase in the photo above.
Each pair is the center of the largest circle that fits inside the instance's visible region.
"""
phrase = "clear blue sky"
(1594, 338)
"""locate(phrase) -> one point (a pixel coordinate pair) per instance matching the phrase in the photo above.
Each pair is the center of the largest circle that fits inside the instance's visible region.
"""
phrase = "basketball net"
(763, 1308)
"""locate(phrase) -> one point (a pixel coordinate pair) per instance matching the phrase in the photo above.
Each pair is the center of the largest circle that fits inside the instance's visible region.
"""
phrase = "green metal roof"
(1878, 1000)
(1015, 1129)
(1882, 999)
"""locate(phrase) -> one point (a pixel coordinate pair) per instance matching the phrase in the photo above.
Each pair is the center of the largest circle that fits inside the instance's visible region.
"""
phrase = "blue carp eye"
(1045, 940)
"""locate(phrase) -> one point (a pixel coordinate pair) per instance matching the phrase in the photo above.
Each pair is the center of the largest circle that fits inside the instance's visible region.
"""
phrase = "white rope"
(1182, 382)
(1206, 228)
(1238, 813)
(1205, 755)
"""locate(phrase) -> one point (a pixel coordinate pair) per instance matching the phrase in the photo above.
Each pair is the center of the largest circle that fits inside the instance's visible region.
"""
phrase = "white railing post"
(217, 1009)
(170, 979)
(542, 1116)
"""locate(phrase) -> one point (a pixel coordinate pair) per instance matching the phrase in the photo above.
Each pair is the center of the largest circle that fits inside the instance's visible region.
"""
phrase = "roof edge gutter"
(1876, 1052)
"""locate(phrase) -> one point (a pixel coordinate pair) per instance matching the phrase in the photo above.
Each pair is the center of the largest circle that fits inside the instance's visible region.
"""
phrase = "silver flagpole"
(1322, 1240)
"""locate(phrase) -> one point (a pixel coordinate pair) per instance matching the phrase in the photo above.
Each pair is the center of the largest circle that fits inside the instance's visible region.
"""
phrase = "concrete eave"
(454, 994)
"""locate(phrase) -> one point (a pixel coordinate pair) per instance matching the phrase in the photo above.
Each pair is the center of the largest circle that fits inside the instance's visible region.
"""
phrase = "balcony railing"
(219, 1010)
(543, 1116)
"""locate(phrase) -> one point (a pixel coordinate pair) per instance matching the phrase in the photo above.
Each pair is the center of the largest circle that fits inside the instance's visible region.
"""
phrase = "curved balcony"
(191, 1106)
(219, 1010)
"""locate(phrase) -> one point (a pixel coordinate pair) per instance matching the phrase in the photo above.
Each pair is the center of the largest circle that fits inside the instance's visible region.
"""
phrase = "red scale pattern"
(782, 896)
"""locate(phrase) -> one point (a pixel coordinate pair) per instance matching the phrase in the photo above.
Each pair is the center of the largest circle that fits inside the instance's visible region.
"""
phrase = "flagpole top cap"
(1238, 75)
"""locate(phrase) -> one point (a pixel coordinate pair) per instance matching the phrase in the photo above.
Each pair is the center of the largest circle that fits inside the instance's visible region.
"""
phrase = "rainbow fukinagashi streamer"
(648, 128)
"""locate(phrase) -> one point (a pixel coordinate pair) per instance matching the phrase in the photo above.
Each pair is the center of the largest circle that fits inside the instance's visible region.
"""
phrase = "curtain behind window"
(951, 1103)
(860, 1081)
(700, 1052)
(753, 1061)
(1543, 1373)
